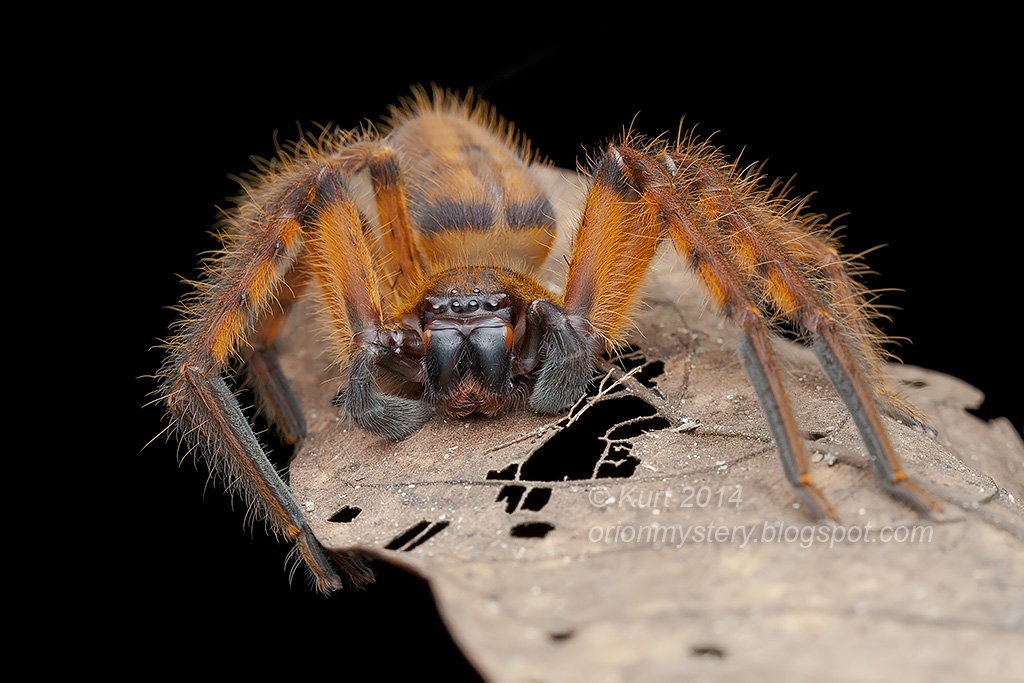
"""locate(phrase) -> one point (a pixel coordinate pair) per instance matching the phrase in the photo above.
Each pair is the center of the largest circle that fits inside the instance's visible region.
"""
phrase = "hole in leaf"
(431, 532)
(536, 499)
(655, 368)
(618, 469)
(507, 474)
(627, 357)
(562, 636)
(631, 357)
(412, 539)
(708, 651)
(575, 452)
(400, 540)
(511, 494)
(634, 429)
(345, 514)
(532, 529)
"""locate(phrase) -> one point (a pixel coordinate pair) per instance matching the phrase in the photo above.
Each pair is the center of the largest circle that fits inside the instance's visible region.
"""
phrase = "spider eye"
(454, 305)
(493, 303)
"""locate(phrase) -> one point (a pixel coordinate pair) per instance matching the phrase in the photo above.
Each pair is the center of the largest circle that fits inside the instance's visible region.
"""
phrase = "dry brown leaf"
(650, 533)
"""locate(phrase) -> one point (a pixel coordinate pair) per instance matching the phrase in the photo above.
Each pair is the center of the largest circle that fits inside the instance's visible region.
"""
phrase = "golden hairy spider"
(433, 304)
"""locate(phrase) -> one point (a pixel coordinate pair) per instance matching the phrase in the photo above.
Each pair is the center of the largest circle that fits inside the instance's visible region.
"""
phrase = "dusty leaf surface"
(650, 533)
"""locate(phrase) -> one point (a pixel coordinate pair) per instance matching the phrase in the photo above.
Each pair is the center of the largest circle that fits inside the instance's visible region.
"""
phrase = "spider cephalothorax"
(432, 298)
(468, 338)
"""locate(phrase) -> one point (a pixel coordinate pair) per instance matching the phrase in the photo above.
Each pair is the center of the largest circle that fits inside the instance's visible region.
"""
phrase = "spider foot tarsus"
(901, 410)
(224, 437)
(561, 384)
(322, 564)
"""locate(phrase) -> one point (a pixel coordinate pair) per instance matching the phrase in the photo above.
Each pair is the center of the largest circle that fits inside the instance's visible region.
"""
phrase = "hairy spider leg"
(632, 206)
(236, 313)
(343, 260)
(396, 248)
(832, 313)
(818, 256)
(354, 310)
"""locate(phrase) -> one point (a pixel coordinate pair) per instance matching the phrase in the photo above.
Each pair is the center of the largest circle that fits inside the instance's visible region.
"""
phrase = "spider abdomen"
(471, 196)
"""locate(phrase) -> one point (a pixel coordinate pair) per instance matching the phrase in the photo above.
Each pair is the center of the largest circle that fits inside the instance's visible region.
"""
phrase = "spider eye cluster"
(456, 303)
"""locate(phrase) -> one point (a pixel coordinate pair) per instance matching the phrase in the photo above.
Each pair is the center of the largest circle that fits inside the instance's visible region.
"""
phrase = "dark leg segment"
(239, 439)
(861, 405)
(274, 395)
(702, 242)
(759, 363)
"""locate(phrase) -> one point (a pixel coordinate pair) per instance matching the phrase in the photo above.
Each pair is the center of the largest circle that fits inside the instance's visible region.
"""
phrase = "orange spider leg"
(631, 207)
(265, 239)
(397, 246)
(819, 255)
(699, 240)
(611, 251)
(343, 261)
(842, 342)
(393, 219)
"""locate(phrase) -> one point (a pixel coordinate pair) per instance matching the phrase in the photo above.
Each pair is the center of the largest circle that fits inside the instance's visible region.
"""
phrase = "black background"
(905, 127)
